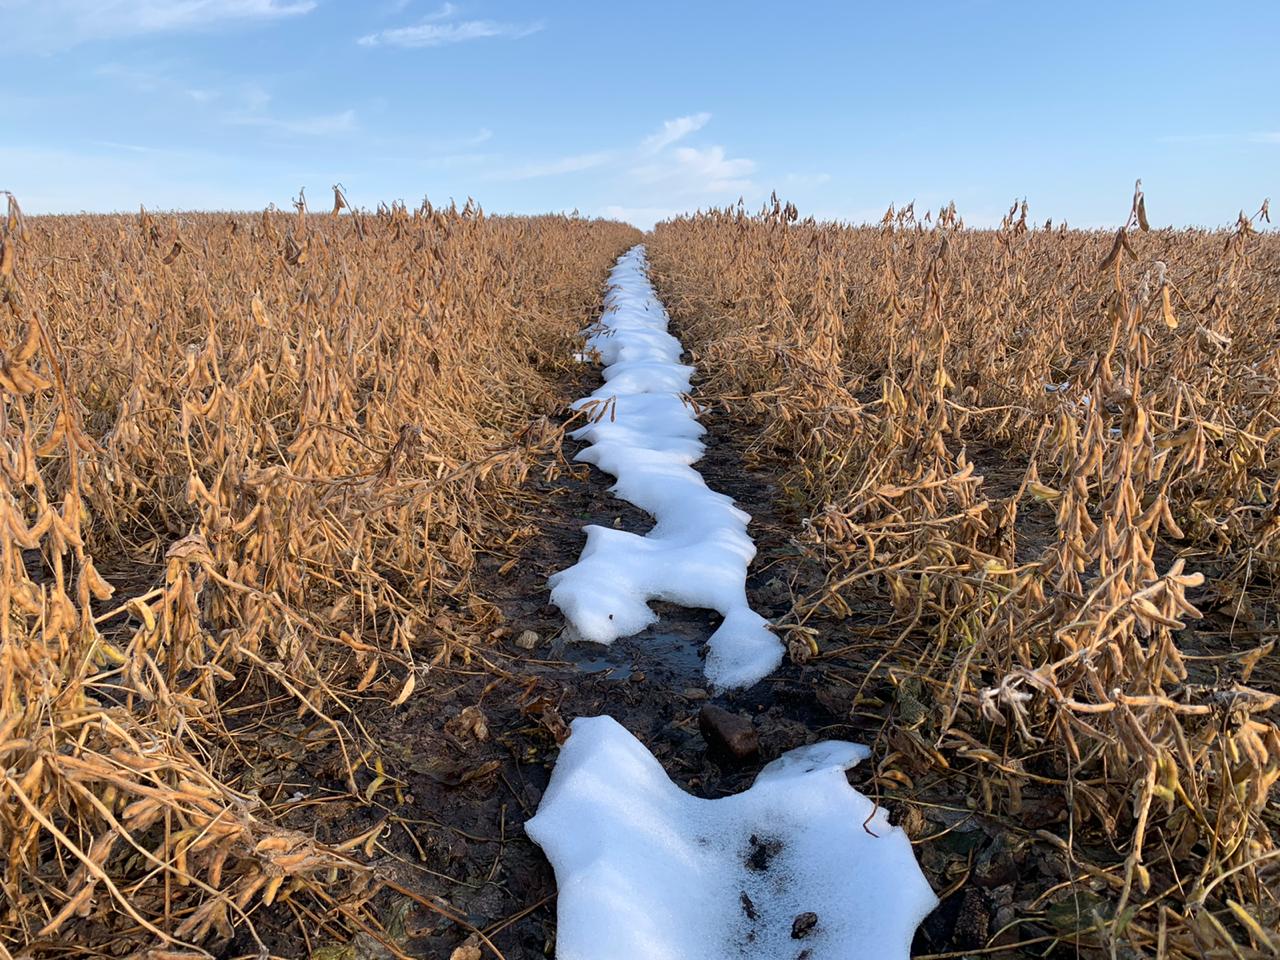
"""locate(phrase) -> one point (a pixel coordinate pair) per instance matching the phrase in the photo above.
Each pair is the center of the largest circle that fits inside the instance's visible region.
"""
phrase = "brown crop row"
(247, 460)
(1048, 447)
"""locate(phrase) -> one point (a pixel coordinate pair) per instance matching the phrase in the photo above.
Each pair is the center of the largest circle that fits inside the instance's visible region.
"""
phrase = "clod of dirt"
(973, 922)
(729, 734)
(803, 925)
(527, 640)
(470, 722)
(748, 907)
(468, 951)
(762, 852)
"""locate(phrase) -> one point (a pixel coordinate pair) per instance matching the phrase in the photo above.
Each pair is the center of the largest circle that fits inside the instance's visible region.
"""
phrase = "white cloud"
(439, 29)
(147, 16)
(553, 168)
(710, 169)
(655, 169)
(681, 171)
(673, 130)
(697, 171)
(680, 177)
(328, 124)
(254, 110)
(59, 24)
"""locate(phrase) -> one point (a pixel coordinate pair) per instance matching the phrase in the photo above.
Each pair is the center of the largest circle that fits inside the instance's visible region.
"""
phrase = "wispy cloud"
(710, 169)
(440, 29)
(129, 147)
(697, 171)
(654, 178)
(321, 125)
(155, 77)
(255, 110)
(552, 168)
(656, 160)
(657, 167)
(151, 16)
(673, 130)
(59, 24)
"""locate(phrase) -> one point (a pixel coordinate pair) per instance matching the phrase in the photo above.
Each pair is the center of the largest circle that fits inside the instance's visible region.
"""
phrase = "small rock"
(803, 925)
(527, 640)
(693, 693)
(729, 734)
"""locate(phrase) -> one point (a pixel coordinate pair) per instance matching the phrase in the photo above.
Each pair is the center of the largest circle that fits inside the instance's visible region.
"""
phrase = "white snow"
(647, 436)
(647, 872)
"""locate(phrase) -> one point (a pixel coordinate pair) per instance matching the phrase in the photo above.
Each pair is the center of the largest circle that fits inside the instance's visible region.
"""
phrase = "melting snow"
(801, 865)
(647, 436)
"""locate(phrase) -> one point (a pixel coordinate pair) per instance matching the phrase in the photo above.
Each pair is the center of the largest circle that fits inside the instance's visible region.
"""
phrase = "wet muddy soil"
(467, 758)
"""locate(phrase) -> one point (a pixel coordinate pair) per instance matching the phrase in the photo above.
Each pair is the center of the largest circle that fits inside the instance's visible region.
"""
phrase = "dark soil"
(454, 834)
(457, 836)
(450, 817)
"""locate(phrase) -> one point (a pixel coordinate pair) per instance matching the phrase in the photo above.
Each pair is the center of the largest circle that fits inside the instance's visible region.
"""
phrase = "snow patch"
(799, 865)
(646, 434)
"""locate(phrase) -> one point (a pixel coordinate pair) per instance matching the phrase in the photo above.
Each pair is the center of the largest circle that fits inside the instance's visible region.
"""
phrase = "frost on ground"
(646, 435)
(799, 867)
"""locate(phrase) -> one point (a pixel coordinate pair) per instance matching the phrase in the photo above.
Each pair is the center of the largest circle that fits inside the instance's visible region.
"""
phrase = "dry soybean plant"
(1057, 452)
(248, 462)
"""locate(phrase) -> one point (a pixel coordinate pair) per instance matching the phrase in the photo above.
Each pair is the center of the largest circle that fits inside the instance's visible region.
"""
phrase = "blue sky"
(639, 110)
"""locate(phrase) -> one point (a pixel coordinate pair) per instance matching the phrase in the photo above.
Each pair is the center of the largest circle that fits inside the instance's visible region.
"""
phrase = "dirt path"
(652, 683)
(456, 835)
(468, 757)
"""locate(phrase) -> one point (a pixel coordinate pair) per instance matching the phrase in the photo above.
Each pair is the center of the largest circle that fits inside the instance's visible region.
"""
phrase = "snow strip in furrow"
(646, 435)
(799, 865)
